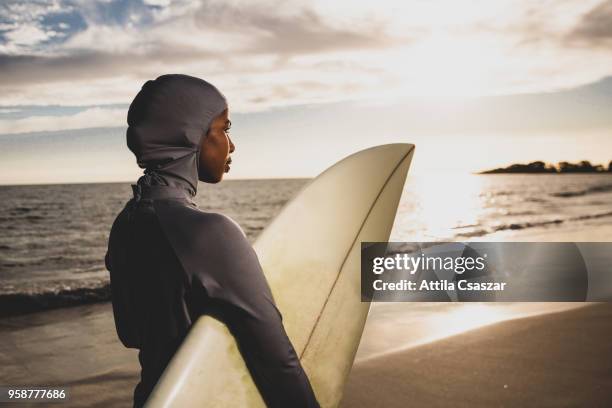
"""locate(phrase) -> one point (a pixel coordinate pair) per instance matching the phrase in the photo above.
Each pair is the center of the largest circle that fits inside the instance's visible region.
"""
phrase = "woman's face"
(215, 150)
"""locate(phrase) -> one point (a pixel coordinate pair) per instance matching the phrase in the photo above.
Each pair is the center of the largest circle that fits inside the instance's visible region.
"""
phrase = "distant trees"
(583, 166)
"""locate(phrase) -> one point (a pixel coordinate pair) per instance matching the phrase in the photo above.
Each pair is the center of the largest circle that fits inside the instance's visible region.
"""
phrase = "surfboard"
(310, 254)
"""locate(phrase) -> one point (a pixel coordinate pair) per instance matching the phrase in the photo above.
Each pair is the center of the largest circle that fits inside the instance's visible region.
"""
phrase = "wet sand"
(74, 347)
(553, 360)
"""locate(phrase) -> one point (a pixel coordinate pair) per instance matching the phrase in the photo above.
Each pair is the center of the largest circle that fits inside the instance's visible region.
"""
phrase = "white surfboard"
(310, 254)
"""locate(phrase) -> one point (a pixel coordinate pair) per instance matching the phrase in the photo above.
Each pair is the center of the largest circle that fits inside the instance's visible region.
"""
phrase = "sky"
(474, 84)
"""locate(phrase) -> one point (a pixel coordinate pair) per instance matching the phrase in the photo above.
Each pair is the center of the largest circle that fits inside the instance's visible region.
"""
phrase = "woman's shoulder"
(190, 218)
(219, 221)
(203, 239)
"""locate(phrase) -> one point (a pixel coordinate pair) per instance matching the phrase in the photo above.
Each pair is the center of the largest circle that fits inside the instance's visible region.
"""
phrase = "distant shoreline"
(540, 167)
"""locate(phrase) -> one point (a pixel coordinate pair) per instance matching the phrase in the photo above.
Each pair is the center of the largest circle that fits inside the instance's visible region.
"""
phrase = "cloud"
(6, 111)
(297, 52)
(290, 31)
(175, 39)
(28, 35)
(89, 118)
(573, 109)
(595, 27)
(30, 26)
(113, 47)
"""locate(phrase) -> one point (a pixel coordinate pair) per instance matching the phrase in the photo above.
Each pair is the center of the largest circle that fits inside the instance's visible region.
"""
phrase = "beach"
(551, 359)
(74, 347)
(417, 354)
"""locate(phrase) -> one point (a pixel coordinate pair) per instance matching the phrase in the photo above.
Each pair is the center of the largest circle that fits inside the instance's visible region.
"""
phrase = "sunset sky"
(474, 84)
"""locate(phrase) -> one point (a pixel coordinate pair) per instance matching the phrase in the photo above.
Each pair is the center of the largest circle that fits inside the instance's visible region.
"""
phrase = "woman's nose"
(231, 145)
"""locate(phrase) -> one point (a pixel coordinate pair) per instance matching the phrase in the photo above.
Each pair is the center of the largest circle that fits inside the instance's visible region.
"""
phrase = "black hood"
(167, 121)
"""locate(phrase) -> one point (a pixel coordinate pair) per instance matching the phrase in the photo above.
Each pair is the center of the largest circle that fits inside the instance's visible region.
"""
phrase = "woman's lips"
(227, 164)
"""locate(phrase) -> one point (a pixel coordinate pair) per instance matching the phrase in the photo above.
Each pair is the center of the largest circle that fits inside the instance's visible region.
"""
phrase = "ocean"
(54, 237)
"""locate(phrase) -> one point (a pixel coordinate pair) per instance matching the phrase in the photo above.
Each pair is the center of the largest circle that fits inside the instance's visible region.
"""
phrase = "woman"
(170, 263)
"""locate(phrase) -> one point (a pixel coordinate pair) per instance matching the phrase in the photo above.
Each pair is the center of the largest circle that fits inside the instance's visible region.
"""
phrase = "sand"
(560, 359)
(554, 359)
(74, 347)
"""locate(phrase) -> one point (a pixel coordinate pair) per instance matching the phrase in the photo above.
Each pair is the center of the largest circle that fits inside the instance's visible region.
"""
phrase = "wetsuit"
(170, 262)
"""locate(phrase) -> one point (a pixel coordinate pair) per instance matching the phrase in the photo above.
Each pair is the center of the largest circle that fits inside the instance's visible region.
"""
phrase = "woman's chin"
(211, 179)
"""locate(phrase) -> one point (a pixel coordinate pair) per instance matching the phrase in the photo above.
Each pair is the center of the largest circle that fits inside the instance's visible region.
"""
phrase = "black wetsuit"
(170, 262)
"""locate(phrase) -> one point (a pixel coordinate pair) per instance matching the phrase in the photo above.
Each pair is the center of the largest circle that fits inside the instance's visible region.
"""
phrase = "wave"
(524, 225)
(535, 200)
(518, 213)
(464, 226)
(591, 190)
(12, 304)
(472, 234)
(20, 210)
(593, 216)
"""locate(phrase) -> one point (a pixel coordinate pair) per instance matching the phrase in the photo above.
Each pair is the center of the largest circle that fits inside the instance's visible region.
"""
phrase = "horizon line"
(53, 183)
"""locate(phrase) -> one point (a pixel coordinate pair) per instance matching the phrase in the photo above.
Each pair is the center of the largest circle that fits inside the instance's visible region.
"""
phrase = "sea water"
(53, 237)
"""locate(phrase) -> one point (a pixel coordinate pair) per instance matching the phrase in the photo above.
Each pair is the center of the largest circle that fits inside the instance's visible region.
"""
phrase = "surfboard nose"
(390, 153)
(404, 148)
(377, 162)
(401, 148)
